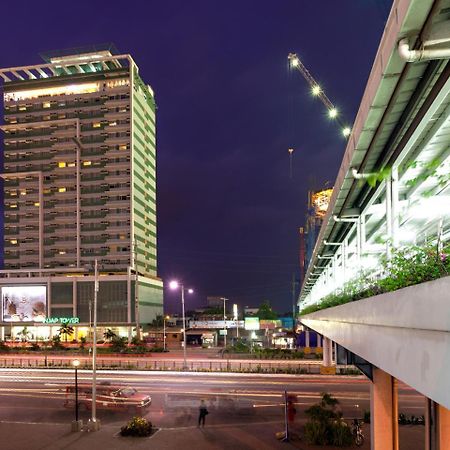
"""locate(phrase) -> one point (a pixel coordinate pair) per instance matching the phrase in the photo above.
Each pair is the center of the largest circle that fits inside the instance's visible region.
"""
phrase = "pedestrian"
(291, 411)
(203, 412)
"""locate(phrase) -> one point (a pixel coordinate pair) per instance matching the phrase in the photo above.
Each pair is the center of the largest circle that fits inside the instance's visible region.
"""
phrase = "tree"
(158, 322)
(109, 335)
(265, 312)
(25, 333)
(66, 330)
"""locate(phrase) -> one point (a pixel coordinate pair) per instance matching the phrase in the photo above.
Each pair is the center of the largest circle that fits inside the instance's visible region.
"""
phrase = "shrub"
(137, 426)
(3, 347)
(407, 266)
(56, 343)
(118, 344)
(325, 425)
(35, 347)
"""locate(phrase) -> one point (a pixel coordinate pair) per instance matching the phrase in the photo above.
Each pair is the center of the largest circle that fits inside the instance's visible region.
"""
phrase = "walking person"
(291, 412)
(203, 412)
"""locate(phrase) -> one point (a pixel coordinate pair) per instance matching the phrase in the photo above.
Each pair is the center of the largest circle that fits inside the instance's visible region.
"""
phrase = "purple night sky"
(228, 110)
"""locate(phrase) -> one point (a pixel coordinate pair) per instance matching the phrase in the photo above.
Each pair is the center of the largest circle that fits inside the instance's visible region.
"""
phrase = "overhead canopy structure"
(393, 186)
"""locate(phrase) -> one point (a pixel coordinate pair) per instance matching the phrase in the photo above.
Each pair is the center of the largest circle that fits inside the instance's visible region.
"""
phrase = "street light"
(164, 321)
(175, 285)
(75, 364)
(224, 324)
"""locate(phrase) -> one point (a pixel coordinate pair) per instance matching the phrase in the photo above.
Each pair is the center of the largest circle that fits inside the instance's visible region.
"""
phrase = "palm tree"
(25, 333)
(66, 330)
(109, 335)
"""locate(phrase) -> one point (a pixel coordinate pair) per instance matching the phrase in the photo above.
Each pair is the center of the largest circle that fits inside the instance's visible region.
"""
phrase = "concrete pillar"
(443, 425)
(319, 340)
(327, 352)
(383, 411)
(307, 343)
(327, 367)
(437, 426)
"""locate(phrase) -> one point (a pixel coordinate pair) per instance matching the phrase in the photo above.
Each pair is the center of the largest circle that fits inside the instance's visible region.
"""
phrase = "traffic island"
(77, 425)
(93, 425)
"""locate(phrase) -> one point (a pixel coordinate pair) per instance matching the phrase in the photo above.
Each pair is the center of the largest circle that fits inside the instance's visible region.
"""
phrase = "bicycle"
(357, 433)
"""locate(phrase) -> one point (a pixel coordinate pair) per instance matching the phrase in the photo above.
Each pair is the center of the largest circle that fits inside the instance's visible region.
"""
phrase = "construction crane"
(317, 91)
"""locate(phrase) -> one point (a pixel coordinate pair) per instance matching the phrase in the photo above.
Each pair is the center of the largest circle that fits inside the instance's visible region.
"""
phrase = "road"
(37, 396)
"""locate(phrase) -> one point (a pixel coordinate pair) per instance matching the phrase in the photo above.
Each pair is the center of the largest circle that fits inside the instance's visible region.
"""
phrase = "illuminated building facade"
(79, 185)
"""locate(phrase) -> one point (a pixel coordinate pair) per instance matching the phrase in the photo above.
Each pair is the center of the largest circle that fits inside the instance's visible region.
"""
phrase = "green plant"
(66, 330)
(56, 342)
(83, 342)
(109, 335)
(137, 426)
(35, 347)
(407, 266)
(325, 425)
(3, 347)
(25, 333)
(118, 344)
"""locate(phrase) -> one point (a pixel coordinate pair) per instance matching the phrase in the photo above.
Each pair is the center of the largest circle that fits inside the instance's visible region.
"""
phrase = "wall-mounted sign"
(251, 323)
(63, 320)
(269, 324)
(216, 324)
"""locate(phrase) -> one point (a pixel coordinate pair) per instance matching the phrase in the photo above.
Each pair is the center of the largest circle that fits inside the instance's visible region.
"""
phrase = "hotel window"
(87, 163)
(96, 125)
(61, 189)
(62, 164)
(46, 105)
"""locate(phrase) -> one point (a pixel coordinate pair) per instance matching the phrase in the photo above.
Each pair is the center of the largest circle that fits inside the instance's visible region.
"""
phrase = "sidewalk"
(261, 436)
(56, 437)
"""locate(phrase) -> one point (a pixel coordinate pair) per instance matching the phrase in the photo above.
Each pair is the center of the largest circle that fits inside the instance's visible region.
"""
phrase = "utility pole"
(224, 324)
(95, 424)
(293, 297)
(136, 292)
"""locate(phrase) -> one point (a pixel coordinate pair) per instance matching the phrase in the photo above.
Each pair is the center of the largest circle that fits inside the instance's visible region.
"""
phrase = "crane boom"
(317, 91)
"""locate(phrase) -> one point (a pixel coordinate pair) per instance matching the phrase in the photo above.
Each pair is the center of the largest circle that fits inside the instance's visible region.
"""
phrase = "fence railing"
(164, 364)
(258, 366)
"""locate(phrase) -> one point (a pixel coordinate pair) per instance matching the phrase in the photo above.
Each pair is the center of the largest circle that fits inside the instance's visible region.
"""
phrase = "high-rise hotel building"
(79, 185)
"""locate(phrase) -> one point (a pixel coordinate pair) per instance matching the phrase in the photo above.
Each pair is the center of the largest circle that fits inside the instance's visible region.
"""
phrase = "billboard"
(320, 201)
(24, 303)
(251, 323)
(216, 324)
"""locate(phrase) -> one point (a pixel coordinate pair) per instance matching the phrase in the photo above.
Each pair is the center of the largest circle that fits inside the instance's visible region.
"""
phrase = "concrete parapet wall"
(405, 333)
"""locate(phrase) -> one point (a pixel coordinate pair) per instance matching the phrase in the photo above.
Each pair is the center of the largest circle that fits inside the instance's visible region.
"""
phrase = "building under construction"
(317, 208)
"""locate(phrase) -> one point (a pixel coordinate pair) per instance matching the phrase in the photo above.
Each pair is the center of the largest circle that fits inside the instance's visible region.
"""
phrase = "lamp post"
(94, 424)
(175, 285)
(164, 328)
(224, 324)
(75, 364)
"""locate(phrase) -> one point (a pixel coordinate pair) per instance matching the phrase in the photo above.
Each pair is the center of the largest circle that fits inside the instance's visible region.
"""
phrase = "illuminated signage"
(251, 323)
(320, 201)
(63, 320)
(84, 88)
(24, 303)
